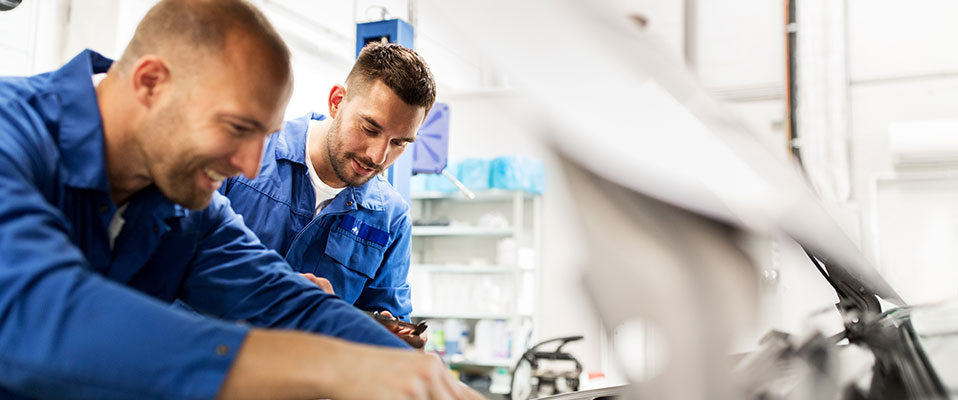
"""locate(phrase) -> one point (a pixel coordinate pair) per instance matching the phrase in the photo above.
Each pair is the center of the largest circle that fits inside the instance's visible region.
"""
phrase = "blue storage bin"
(474, 173)
(517, 173)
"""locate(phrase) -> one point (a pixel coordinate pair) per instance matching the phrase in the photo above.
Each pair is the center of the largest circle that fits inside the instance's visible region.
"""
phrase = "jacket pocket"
(353, 253)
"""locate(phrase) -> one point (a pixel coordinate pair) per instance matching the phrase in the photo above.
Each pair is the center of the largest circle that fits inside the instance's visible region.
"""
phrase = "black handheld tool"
(391, 323)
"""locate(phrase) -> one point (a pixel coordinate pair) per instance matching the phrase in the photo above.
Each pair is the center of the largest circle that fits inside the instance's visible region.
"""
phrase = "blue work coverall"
(359, 241)
(78, 320)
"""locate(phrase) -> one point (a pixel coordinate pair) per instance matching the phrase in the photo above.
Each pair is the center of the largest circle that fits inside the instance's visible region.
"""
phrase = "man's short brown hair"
(195, 29)
(399, 68)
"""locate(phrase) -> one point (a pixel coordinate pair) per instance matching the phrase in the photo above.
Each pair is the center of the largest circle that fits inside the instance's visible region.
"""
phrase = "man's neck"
(319, 154)
(124, 164)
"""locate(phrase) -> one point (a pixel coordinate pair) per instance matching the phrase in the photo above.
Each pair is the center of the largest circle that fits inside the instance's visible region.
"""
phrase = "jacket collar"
(371, 195)
(80, 135)
(291, 140)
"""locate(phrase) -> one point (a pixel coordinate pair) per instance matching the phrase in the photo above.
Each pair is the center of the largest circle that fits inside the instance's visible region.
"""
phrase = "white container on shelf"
(525, 304)
(457, 336)
(506, 252)
(421, 293)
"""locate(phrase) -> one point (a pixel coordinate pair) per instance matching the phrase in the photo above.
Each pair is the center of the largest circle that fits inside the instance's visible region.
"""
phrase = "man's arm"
(234, 277)
(297, 365)
(388, 290)
(68, 332)
(290, 364)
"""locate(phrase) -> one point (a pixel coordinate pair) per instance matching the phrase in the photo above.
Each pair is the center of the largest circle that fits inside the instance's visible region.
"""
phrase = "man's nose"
(377, 152)
(247, 157)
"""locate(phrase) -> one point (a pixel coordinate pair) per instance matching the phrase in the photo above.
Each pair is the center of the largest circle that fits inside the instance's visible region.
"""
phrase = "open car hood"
(667, 178)
(620, 106)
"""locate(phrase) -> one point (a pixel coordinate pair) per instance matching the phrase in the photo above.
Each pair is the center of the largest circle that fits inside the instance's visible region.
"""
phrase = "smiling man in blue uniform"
(319, 199)
(109, 212)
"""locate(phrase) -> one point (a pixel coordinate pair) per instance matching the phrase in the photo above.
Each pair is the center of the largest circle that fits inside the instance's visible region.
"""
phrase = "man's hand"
(406, 334)
(298, 365)
(323, 283)
(417, 376)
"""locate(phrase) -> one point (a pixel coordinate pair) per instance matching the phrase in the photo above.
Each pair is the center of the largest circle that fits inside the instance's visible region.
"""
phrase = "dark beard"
(340, 165)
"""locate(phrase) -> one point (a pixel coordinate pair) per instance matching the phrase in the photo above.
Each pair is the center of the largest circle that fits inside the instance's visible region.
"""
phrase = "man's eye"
(239, 129)
(401, 143)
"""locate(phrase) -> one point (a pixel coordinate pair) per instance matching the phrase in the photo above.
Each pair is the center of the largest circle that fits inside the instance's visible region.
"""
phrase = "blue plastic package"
(517, 173)
(474, 173)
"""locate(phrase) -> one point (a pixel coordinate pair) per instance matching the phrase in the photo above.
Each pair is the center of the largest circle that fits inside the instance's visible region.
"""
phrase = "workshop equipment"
(543, 373)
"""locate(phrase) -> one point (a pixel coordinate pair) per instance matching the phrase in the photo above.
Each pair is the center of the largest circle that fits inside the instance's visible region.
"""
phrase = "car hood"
(611, 100)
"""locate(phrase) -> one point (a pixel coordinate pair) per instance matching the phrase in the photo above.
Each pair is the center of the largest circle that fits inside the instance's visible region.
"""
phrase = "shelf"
(492, 363)
(459, 231)
(501, 316)
(485, 195)
(463, 256)
(470, 269)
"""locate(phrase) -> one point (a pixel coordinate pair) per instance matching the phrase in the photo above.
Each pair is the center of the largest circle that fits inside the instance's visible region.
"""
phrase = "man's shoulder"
(217, 212)
(25, 87)
(26, 116)
(378, 191)
(219, 208)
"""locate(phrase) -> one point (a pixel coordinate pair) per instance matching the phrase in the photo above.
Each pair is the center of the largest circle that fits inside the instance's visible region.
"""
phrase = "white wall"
(739, 44)
(32, 37)
(17, 37)
(900, 66)
(738, 52)
(41, 35)
(903, 66)
(890, 39)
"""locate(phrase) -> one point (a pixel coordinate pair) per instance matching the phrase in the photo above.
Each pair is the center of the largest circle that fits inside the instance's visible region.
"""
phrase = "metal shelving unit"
(468, 269)
(459, 231)
(493, 316)
(482, 364)
(443, 251)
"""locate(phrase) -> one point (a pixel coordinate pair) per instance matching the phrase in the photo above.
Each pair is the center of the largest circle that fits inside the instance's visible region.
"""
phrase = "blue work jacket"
(78, 320)
(359, 241)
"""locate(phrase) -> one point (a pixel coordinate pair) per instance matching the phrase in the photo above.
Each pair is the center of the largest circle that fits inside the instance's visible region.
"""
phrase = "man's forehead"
(261, 82)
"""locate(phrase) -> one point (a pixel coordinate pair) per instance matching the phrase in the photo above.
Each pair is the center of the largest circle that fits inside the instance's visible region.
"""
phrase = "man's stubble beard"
(340, 164)
(175, 178)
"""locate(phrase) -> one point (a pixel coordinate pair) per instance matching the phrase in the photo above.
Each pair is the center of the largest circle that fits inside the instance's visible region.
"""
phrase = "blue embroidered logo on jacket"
(359, 228)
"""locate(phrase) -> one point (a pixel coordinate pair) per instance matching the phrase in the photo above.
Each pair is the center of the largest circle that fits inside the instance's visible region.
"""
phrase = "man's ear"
(336, 97)
(151, 79)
